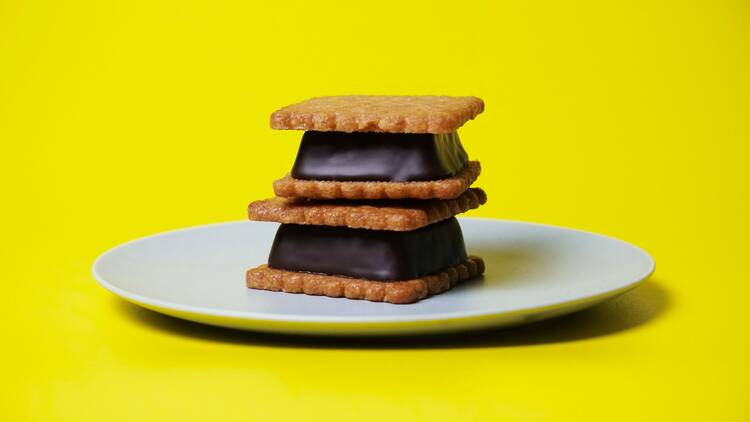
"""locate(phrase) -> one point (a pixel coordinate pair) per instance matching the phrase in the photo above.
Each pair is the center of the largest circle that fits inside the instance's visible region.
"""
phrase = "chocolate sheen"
(369, 254)
(371, 156)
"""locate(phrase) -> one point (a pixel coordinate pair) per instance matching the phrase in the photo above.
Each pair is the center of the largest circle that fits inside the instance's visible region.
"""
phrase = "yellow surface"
(121, 119)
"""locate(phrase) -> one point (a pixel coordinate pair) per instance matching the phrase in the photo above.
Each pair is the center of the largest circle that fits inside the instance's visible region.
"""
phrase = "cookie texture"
(400, 292)
(379, 113)
(448, 188)
(402, 215)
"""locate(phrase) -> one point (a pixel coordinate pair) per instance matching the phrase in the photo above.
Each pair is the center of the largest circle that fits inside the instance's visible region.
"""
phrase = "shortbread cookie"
(266, 278)
(379, 113)
(402, 215)
(448, 188)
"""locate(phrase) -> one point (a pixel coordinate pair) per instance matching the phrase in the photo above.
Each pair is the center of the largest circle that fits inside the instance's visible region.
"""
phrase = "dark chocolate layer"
(368, 254)
(389, 157)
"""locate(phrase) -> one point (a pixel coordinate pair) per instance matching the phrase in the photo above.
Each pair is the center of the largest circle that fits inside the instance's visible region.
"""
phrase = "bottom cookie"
(409, 291)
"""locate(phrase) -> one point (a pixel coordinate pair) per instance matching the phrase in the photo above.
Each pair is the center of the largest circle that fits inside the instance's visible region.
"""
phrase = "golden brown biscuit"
(379, 113)
(449, 188)
(382, 215)
(266, 278)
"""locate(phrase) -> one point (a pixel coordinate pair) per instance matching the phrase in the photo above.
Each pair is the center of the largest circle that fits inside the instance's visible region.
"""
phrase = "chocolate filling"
(388, 157)
(368, 254)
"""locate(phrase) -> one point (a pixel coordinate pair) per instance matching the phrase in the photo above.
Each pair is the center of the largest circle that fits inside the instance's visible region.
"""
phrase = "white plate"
(533, 272)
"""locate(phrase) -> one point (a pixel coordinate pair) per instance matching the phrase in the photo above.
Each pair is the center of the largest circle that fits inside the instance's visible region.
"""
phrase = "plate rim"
(158, 304)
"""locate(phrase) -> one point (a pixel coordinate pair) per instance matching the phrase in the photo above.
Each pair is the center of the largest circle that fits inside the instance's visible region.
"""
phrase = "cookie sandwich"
(368, 210)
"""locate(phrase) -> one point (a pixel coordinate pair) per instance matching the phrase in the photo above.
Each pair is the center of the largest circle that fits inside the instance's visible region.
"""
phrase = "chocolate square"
(370, 156)
(368, 254)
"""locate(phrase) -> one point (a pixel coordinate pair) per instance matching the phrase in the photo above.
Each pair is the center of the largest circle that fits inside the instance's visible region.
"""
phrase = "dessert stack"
(368, 211)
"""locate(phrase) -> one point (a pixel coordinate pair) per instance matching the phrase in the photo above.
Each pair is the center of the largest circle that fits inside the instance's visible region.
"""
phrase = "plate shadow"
(628, 311)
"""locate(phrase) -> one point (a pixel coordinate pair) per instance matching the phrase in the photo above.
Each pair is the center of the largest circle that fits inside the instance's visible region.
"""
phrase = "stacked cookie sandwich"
(368, 211)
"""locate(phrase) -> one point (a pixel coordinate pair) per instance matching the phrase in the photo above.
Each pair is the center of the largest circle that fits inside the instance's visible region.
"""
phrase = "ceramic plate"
(533, 272)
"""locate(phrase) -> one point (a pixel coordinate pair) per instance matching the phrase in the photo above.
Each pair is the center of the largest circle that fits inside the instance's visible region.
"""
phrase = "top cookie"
(379, 113)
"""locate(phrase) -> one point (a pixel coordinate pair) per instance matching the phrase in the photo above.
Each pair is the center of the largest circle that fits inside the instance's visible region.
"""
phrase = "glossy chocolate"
(368, 254)
(389, 157)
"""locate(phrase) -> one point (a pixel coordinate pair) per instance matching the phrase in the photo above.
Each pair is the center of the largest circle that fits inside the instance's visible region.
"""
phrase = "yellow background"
(122, 119)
